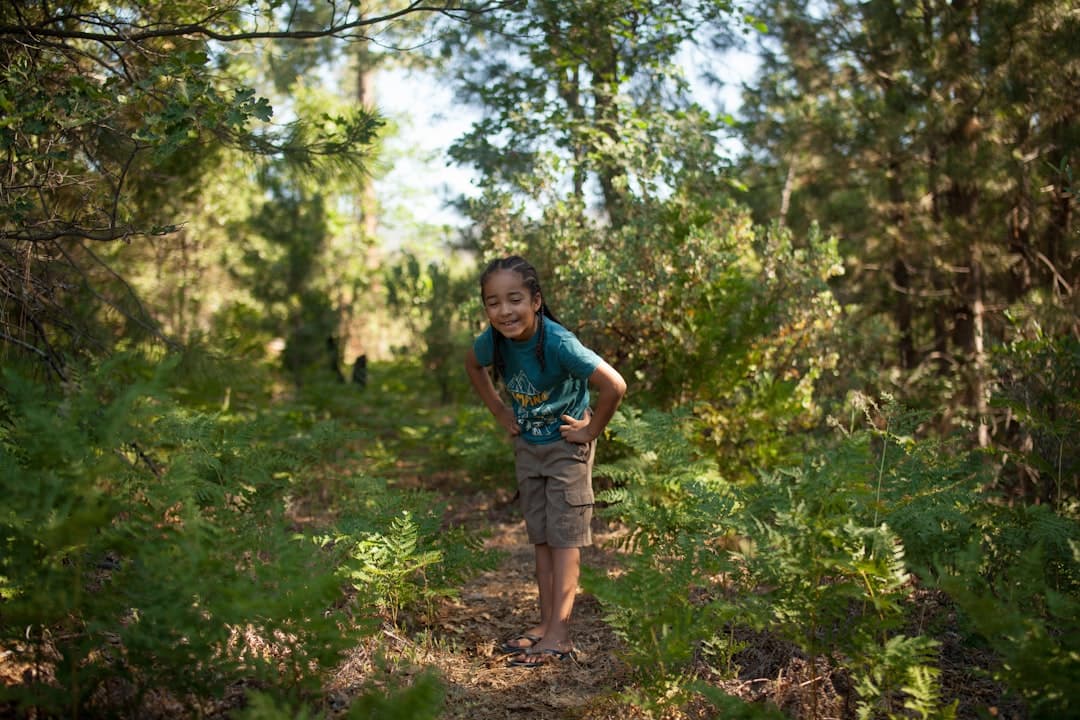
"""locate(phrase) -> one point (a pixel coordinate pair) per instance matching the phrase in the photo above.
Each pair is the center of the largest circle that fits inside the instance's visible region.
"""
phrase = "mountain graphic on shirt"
(520, 385)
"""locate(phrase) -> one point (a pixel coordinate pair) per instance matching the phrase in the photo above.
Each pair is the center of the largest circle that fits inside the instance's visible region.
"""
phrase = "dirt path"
(500, 603)
(460, 636)
(461, 640)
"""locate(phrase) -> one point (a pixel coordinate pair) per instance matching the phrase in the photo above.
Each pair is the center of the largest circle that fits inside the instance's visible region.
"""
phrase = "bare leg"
(557, 573)
(545, 572)
(565, 571)
(556, 602)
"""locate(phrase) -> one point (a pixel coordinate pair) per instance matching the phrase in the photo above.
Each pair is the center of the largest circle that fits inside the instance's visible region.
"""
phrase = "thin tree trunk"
(605, 85)
(902, 279)
(978, 347)
(785, 194)
(356, 332)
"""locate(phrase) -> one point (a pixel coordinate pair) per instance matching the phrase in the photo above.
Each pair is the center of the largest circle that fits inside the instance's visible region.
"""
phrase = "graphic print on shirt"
(532, 421)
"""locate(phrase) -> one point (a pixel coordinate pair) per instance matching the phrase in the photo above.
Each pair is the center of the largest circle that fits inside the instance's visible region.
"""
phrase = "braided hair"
(521, 266)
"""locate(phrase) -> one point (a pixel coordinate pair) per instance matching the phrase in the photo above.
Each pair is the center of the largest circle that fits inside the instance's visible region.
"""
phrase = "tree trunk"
(568, 85)
(605, 85)
(356, 332)
(978, 368)
(906, 347)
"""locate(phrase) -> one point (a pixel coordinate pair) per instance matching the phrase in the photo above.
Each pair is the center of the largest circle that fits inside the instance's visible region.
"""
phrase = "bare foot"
(521, 643)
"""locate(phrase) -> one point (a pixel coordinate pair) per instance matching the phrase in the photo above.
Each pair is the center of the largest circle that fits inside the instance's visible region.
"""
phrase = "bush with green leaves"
(145, 542)
(827, 555)
(697, 307)
(1039, 386)
(433, 303)
(679, 509)
(1018, 587)
(824, 576)
(151, 546)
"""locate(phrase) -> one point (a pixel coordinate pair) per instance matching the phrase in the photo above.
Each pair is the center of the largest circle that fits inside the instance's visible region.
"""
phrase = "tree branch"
(117, 33)
(57, 230)
(147, 325)
(36, 350)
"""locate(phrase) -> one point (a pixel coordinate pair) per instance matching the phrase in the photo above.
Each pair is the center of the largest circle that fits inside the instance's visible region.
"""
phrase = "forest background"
(852, 345)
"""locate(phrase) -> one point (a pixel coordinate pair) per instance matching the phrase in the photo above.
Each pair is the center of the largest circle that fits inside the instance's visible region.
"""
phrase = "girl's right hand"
(506, 418)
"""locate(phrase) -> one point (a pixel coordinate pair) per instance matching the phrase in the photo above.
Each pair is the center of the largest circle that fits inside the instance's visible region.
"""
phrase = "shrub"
(806, 553)
(151, 547)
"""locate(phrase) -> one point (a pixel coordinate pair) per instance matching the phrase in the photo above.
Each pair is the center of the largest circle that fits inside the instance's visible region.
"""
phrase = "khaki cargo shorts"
(555, 480)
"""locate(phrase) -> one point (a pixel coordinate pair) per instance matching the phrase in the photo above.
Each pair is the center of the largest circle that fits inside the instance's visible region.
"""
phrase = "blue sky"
(421, 177)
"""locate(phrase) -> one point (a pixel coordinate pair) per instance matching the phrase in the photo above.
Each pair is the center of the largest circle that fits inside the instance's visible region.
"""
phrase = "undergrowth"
(182, 525)
(154, 543)
(829, 555)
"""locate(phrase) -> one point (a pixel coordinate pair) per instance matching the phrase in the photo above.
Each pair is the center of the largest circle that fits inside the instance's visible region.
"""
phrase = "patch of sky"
(421, 180)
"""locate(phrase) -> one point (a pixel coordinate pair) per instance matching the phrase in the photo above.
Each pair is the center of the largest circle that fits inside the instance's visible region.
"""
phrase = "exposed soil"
(458, 638)
(461, 639)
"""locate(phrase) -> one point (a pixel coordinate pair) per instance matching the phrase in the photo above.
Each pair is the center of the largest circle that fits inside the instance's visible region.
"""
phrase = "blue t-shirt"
(541, 397)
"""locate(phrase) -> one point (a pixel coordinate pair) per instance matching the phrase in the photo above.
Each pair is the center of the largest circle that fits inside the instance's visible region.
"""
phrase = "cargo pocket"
(578, 498)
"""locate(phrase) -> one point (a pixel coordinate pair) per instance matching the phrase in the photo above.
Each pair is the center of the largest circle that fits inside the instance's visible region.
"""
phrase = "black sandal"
(524, 662)
(509, 647)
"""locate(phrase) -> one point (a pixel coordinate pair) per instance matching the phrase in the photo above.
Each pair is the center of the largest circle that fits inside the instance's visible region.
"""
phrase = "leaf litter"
(458, 639)
(460, 636)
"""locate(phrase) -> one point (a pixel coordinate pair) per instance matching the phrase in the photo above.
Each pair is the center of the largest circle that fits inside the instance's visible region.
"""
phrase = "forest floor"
(460, 636)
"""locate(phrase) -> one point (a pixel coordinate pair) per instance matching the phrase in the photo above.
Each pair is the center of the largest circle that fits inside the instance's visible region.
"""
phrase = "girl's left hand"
(576, 431)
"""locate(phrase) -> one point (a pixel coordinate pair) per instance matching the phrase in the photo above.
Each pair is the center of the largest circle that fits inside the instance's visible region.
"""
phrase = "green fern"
(389, 567)
(1019, 607)
(147, 543)
(923, 694)
(901, 674)
(806, 553)
(661, 479)
(393, 548)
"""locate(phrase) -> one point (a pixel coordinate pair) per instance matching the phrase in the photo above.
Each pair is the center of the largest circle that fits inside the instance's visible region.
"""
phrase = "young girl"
(546, 371)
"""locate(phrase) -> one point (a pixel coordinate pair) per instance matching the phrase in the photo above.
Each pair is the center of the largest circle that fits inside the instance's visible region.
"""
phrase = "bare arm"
(612, 388)
(481, 382)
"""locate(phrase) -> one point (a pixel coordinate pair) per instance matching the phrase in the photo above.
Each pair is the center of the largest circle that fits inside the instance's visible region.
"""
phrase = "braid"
(545, 312)
(531, 278)
(540, 339)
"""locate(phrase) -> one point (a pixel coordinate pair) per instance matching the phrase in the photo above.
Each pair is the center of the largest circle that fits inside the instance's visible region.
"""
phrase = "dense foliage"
(938, 141)
(157, 540)
(836, 555)
(852, 348)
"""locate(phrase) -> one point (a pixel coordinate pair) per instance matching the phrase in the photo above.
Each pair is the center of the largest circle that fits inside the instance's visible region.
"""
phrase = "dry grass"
(458, 639)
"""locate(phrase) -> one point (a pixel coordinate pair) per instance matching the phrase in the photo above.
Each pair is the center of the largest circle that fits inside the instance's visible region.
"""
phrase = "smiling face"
(510, 305)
